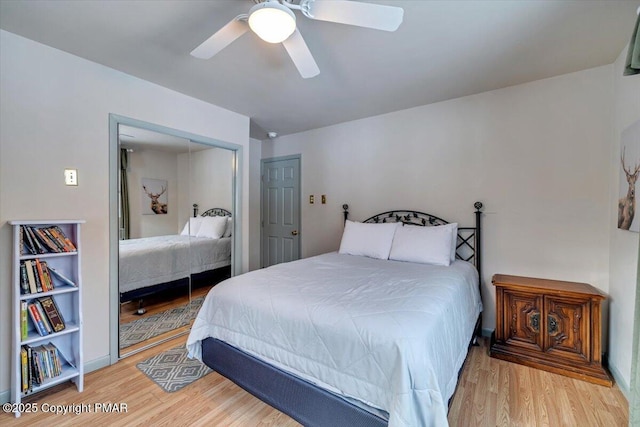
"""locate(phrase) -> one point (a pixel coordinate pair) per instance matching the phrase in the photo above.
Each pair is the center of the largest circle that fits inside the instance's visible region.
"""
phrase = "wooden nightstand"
(550, 325)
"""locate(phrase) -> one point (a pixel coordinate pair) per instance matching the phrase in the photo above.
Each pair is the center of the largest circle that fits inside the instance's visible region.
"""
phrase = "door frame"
(299, 210)
(114, 158)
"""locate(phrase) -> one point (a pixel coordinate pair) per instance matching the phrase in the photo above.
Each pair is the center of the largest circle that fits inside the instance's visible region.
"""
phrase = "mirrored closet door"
(206, 172)
(175, 200)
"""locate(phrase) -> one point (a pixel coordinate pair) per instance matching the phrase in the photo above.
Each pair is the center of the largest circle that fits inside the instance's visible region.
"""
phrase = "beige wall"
(254, 203)
(205, 177)
(144, 163)
(623, 258)
(55, 111)
(537, 155)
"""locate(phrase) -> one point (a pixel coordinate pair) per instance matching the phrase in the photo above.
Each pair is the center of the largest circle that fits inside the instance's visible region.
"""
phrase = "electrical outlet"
(311, 199)
(71, 176)
(324, 199)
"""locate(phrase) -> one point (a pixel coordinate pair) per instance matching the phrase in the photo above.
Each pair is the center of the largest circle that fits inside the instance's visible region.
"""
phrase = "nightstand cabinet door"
(568, 333)
(551, 325)
(523, 319)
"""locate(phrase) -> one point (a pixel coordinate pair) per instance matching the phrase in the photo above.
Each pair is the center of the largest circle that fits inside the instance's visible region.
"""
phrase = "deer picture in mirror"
(627, 204)
(156, 206)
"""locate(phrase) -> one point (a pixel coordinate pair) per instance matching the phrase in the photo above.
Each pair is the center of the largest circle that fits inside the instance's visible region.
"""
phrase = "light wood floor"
(154, 305)
(491, 392)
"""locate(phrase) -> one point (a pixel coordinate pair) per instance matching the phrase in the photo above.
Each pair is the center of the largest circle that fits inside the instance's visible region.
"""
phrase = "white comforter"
(152, 260)
(390, 334)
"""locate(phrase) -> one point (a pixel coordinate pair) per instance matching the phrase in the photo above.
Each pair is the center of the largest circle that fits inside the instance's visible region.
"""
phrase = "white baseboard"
(5, 396)
(96, 364)
(622, 384)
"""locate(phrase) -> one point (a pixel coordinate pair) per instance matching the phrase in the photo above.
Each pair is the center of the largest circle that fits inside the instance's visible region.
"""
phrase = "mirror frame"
(236, 209)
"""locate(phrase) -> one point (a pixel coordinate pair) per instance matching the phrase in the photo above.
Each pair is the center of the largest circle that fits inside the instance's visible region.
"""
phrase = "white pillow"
(426, 245)
(192, 226)
(370, 240)
(229, 228)
(212, 227)
(454, 238)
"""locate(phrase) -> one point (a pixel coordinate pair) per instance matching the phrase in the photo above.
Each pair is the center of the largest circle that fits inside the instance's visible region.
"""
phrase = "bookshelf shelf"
(68, 373)
(51, 255)
(34, 337)
(41, 275)
(63, 289)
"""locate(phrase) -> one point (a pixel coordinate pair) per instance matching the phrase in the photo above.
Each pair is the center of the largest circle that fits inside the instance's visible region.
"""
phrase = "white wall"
(255, 153)
(206, 178)
(55, 110)
(624, 244)
(537, 155)
(152, 164)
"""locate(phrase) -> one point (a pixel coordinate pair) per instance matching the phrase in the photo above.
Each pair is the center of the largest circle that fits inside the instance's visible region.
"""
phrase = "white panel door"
(280, 211)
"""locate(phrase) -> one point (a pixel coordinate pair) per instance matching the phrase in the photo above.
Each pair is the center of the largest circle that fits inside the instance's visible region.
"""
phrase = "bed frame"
(306, 403)
(197, 279)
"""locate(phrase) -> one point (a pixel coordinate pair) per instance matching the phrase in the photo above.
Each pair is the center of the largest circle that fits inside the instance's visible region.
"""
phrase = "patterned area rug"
(173, 370)
(151, 326)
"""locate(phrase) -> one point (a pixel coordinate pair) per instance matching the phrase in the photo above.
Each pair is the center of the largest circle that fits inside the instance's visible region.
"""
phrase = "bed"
(339, 339)
(151, 265)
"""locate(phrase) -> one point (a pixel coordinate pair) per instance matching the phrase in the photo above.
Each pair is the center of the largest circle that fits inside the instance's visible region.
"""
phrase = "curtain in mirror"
(124, 195)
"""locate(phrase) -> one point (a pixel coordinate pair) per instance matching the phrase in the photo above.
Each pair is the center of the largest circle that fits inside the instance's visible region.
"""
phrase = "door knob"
(294, 233)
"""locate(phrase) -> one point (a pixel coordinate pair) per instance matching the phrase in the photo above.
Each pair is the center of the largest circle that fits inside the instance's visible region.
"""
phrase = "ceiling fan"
(274, 22)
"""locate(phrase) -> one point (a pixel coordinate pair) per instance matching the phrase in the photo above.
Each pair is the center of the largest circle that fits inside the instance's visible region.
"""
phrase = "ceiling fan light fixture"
(272, 22)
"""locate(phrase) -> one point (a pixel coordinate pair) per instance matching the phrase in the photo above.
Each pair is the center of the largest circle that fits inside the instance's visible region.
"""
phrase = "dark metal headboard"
(211, 212)
(468, 247)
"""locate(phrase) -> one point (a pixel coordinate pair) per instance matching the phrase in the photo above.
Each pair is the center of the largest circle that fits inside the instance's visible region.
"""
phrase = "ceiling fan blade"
(301, 55)
(368, 15)
(221, 39)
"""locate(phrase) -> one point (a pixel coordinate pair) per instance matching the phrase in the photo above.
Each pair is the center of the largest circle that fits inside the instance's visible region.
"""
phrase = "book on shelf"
(46, 242)
(63, 241)
(41, 278)
(43, 317)
(40, 240)
(52, 312)
(24, 279)
(43, 362)
(47, 275)
(26, 242)
(58, 246)
(35, 277)
(61, 277)
(38, 364)
(24, 320)
(37, 246)
(24, 369)
(31, 277)
(38, 322)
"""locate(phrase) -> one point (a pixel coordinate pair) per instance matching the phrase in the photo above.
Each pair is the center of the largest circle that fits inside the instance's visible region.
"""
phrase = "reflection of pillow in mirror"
(228, 228)
(212, 227)
(194, 224)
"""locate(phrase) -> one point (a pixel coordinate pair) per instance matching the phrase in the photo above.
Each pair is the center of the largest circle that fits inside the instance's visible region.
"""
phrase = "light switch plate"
(71, 176)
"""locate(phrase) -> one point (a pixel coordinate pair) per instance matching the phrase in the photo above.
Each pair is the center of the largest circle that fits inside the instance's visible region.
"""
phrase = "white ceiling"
(442, 50)
(138, 139)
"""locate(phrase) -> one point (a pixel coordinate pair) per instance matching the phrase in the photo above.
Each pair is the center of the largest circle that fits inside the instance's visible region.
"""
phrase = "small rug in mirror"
(173, 370)
(157, 324)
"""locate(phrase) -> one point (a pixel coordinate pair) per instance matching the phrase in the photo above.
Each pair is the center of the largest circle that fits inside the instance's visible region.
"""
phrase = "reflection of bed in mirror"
(202, 252)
